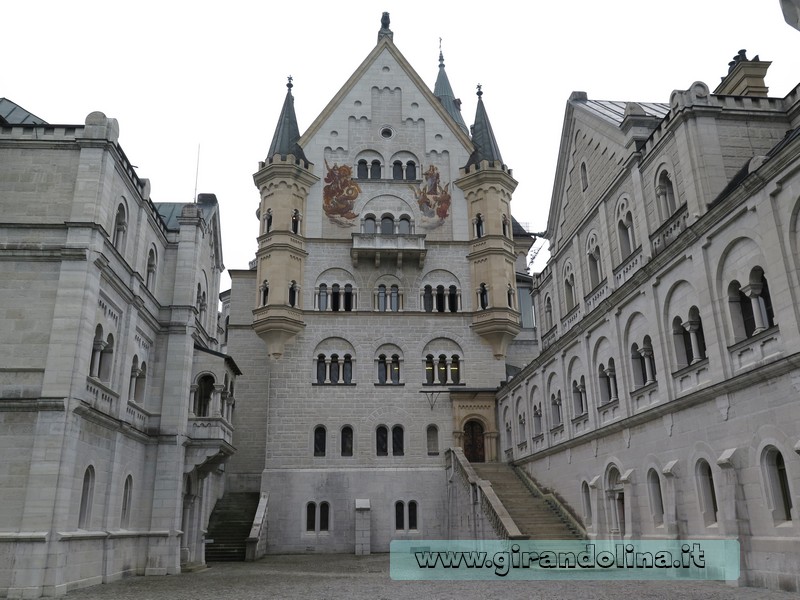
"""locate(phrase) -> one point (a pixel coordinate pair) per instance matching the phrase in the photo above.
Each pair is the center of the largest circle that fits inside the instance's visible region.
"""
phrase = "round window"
(387, 132)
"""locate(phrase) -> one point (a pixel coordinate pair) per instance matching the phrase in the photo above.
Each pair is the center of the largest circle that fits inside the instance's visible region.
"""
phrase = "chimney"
(745, 77)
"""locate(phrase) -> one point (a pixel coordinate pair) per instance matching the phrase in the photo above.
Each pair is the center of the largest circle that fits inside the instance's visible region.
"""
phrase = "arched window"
(397, 170)
(120, 227)
(427, 299)
(778, 494)
(584, 178)
(362, 170)
(706, 491)
(696, 336)
(382, 369)
(666, 194)
(382, 441)
(625, 234)
(269, 220)
(348, 297)
(106, 360)
(335, 298)
(483, 297)
(510, 296)
(264, 293)
(453, 298)
(604, 385)
(683, 343)
(638, 366)
(479, 226)
(347, 369)
(441, 369)
(615, 495)
(432, 436)
(397, 441)
(293, 293)
(395, 368)
(455, 370)
(295, 221)
(394, 298)
(319, 441)
(127, 492)
(375, 170)
(369, 224)
(334, 368)
(506, 227)
(150, 281)
(387, 225)
(205, 388)
(537, 419)
(324, 516)
(411, 171)
(140, 384)
(569, 291)
(555, 401)
(399, 516)
(595, 272)
(439, 298)
(429, 369)
(87, 498)
(578, 398)
(412, 515)
(586, 500)
(382, 298)
(656, 500)
(322, 297)
(404, 226)
(548, 314)
(321, 369)
(347, 441)
(311, 516)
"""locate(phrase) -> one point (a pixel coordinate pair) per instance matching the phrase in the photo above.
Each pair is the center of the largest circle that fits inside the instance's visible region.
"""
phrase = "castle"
(387, 336)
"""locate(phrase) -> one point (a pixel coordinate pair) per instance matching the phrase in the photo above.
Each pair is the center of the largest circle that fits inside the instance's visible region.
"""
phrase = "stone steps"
(229, 526)
(533, 516)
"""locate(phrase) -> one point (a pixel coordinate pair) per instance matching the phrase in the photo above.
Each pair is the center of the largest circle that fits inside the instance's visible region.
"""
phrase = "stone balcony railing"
(669, 230)
(756, 350)
(210, 428)
(137, 416)
(394, 247)
(628, 267)
(101, 397)
(596, 295)
(549, 337)
(573, 316)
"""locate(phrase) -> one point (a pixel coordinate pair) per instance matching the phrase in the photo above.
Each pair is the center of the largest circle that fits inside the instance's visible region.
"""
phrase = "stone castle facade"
(648, 375)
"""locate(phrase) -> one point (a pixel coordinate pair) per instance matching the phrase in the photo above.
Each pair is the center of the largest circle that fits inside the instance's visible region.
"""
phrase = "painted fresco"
(433, 199)
(339, 195)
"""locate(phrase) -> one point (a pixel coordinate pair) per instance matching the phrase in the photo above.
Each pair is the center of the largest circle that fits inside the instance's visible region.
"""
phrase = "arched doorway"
(473, 441)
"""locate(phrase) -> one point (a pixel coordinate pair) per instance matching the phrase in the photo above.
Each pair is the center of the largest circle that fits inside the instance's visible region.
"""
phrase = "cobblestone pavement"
(328, 577)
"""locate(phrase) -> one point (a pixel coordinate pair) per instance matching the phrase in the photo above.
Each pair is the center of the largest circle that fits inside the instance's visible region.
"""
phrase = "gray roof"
(444, 92)
(13, 114)
(614, 111)
(486, 147)
(287, 132)
(170, 211)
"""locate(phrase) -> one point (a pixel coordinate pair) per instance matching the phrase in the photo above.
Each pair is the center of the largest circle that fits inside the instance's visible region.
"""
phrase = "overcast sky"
(178, 74)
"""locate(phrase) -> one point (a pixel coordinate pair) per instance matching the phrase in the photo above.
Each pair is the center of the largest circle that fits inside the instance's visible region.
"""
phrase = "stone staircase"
(533, 515)
(229, 526)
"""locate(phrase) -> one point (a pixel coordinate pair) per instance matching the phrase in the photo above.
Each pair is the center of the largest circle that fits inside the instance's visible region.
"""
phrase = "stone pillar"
(647, 357)
(97, 350)
(692, 327)
(612, 380)
(753, 291)
(363, 533)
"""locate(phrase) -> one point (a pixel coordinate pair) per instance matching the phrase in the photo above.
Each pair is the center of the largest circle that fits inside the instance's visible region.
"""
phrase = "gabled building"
(663, 403)
(375, 322)
(115, 402)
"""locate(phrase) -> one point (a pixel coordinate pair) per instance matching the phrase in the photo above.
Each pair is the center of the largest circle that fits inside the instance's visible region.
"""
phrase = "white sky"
(179, 74)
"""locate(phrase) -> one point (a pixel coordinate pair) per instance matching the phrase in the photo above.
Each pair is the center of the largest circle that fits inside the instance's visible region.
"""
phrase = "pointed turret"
(486, 147)
(444, 92)
(284, 142)
(283, 181)
(488, 186)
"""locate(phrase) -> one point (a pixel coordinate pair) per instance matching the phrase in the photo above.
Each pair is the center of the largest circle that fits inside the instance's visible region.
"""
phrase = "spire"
(444, 92)
(287, 132)
(483, 137)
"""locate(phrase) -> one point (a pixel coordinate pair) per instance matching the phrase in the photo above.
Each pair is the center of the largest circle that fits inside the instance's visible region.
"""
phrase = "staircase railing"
(481, 491)
(256, 543)
(552, 500)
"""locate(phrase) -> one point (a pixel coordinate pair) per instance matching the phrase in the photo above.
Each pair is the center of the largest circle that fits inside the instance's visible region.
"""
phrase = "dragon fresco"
(339, 194)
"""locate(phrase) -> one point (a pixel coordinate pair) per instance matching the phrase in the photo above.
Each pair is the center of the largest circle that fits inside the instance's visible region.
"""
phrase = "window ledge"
(607, 405)
(754, 338)
(703, 362)
(388, 384)
(334, 384)
(443, 384)
(645, 388)
(557, 429)
(581, 418)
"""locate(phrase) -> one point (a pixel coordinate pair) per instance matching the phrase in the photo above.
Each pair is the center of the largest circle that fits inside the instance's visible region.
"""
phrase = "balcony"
(596, 296)
(669, 231)
(389, 247)
(758, 349)
(209, 442)
(101, 397)
(628, 267)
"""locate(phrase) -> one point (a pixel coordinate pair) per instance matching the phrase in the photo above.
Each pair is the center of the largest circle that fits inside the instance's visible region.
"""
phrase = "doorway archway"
(473, 441)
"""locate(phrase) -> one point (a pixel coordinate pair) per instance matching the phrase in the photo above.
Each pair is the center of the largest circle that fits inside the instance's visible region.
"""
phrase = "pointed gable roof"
(444, 92)
(385, 44)
(287, 133)
(486, 147)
